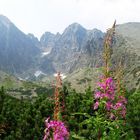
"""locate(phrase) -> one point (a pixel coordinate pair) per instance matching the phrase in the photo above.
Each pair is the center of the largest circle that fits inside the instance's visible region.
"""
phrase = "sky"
(39, 16)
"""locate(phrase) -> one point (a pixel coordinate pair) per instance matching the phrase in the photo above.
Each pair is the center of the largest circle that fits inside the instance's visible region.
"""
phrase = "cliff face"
(17, 50)
(75, 48)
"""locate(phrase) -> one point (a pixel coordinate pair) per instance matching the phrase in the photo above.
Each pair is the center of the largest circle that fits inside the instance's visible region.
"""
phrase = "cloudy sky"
(38, 16)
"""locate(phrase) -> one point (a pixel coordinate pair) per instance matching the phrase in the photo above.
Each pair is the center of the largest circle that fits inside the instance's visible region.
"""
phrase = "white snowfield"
(45, 53)
(39, 72)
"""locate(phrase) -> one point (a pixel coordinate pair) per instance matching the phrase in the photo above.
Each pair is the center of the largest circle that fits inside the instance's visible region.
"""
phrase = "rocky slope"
(17, 51)
(127, 50)
(73, 48)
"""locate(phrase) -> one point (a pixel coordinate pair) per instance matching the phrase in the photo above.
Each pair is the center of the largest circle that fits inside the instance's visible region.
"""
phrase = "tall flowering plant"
(110, 103)
(108, 42)
(55, 129)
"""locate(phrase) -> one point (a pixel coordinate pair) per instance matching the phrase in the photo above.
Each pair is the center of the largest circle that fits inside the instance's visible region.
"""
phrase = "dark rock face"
(47, 40)
(17, 50)
(74, 48)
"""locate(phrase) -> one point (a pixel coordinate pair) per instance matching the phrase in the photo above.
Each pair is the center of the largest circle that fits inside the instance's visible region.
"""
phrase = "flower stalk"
(55, 129)
(57, 97)
(108, 49)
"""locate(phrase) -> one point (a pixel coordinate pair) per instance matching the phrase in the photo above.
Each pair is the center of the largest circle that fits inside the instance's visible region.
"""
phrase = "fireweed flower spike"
(106, 89)
(108, 96)
(107, 92)
(57, 129)
(57, 97)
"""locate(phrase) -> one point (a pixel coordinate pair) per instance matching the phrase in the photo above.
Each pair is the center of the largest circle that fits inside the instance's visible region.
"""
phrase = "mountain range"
(26, 57)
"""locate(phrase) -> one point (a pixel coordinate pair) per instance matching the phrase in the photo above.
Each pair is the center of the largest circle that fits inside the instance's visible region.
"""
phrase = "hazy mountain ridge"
(127, 49)
(70, 51)
(17, 50)
(76, 48)
(61, 52)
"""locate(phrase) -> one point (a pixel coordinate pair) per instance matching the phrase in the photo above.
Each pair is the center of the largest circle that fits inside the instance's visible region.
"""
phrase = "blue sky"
(38, 16)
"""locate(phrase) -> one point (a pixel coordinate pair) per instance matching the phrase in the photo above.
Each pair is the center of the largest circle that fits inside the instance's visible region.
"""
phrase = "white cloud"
(38, 16)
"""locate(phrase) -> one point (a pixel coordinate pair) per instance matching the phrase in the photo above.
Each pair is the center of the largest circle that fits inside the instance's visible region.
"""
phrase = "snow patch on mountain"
(46, 52)
(38, 73)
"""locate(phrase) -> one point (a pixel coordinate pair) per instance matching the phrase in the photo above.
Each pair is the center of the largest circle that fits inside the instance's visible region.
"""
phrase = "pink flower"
(107, 85)
(108, 105)
(102, 85)
(57, 128)
(96, 105)
(97, 95)
(118, 105)
(122, 99)
(107, 93)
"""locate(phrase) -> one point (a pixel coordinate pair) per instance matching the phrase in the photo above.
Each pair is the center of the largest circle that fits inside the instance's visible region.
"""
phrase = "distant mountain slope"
(72, 49)
(127, 50)
(76, 48)
(17, 51)
(131, 33)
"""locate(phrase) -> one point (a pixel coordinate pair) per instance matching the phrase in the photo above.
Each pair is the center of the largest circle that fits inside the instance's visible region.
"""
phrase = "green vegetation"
(24, 119)
(82, 78)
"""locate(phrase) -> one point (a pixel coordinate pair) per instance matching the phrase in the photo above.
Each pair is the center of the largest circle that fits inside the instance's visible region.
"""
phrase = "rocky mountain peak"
(95, 33)
(4, 22)
(48, 34)
(47, 39)
(16, 48)
(4, 19)
(73, 29)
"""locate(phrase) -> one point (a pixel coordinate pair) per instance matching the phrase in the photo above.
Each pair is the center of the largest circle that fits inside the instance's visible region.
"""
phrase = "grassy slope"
(22, 89)
(128, 49)
(82, 78)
